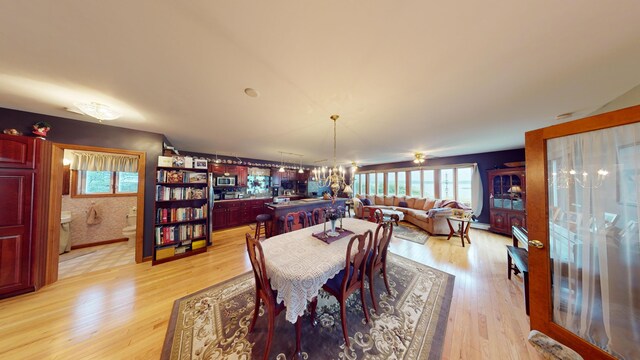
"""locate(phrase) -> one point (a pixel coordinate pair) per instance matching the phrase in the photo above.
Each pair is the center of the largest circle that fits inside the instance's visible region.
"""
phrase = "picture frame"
(178, 161)
(199, 164)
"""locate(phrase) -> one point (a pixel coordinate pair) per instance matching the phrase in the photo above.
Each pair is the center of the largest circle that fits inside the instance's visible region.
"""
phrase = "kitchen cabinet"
(25, 170)
(507, 199)
(242, 173)
(236, 212)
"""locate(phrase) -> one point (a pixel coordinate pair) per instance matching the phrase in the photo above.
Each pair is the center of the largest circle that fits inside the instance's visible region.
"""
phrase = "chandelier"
(335, 177)
(565, 179)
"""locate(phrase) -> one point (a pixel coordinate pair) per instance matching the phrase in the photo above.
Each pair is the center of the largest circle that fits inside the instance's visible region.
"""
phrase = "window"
(363, 183)
(463, 185)
(379, 184)
(428, 184)
(391, 183)
(372, 184)
(447, 184)
(416, 190)
(92, 183)
(402, 183)
(356, 183)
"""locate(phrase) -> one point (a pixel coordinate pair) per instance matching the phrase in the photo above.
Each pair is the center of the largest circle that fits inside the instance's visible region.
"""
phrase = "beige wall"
(113, 211)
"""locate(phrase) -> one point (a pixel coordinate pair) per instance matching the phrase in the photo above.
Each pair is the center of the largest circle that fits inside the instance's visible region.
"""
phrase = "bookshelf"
(181, 226)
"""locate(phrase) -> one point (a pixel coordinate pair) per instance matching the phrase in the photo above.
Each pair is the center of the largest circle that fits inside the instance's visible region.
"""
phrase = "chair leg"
(256, 310)
(272, 319)
(384, 274)
(343, 316)
(373, 296)
(364, 303)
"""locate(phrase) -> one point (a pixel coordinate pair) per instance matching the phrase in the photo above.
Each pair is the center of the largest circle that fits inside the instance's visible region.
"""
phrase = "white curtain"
(477, 195)
(594, 238)
(97, 161)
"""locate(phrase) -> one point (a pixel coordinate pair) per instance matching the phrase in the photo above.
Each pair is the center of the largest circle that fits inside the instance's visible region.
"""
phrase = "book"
(188, 162)
(175, 176)
(197, 177)
(165, 161)
(178, 161)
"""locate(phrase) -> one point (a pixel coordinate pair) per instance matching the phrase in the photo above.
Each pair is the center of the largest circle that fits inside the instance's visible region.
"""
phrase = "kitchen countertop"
(297, 203)
(244, 199)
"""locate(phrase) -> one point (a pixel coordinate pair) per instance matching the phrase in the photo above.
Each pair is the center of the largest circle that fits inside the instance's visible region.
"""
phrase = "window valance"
(97, 161)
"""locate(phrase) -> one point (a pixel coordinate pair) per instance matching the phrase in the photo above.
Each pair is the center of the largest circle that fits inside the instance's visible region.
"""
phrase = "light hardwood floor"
(123, 312)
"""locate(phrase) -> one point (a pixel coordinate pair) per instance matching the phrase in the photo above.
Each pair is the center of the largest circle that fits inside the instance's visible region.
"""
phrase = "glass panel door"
(594, 242)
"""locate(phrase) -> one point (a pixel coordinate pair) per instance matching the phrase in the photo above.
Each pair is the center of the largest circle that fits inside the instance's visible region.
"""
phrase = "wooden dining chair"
(263, 291)
(347, 281)
(377, 261)
(296, 221)
(375, 215)
(318, 216)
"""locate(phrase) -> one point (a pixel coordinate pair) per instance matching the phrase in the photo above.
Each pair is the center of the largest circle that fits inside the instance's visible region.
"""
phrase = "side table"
(463, 228)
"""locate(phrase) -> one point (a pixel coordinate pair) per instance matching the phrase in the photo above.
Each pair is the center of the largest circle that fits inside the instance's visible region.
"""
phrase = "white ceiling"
(441, 77)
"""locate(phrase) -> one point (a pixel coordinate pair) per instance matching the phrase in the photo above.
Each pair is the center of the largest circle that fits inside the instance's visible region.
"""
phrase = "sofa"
(428, 214)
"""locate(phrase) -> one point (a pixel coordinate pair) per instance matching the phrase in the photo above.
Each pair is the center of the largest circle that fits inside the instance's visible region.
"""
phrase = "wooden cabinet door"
(499, 221)
(235, 216)
(16, 252)
(220, 217)
(243, 174)
(17, 152)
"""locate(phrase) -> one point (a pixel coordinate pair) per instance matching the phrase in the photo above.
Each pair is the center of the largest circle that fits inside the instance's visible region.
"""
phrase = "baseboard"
(481, 226)
(80, 246)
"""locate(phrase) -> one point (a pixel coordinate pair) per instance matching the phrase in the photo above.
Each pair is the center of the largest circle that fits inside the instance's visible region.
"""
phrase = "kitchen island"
(307, 205)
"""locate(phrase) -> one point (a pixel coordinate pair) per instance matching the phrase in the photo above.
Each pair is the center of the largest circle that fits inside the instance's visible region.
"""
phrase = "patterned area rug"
(408, 231)
(410, 323)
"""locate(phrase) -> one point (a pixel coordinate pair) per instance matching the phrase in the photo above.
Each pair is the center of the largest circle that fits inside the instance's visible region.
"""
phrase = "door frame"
(55, 203)
(541, 314)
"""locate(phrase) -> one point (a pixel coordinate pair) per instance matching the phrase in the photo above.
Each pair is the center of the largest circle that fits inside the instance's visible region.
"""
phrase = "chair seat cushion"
(335, 282)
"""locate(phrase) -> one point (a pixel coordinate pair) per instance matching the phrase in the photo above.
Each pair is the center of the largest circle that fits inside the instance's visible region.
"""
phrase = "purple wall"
(67, 131)
(485, 161)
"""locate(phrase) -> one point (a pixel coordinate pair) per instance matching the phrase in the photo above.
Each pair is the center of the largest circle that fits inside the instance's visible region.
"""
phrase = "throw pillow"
(366, 202)
(403, 204)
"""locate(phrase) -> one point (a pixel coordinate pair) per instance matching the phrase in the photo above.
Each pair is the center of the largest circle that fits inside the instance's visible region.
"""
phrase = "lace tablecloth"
(299, 264)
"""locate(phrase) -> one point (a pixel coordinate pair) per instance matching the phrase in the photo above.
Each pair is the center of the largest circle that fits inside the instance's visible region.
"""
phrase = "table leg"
(451, 231)
(461, 231)
(297, 355)
(466, 232)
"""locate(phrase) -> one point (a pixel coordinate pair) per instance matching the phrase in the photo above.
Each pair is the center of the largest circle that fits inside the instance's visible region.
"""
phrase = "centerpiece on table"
(333, 214)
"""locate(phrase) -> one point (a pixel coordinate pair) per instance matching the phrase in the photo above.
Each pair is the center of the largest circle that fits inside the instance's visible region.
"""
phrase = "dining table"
(299, 263)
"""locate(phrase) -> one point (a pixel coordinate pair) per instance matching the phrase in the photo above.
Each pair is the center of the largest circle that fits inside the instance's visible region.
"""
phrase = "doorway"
(103, 208)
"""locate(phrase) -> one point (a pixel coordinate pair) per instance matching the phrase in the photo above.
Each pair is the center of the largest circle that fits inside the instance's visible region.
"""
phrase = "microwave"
(225, 181)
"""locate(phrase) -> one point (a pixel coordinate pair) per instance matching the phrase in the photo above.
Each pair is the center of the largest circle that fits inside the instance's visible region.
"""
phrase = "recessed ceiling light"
(564, 116)
(97, 110)
(251, 92)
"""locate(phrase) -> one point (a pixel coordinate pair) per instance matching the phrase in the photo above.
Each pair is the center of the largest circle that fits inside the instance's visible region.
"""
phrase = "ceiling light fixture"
(335, 180)
(419, 159)
(97, 110)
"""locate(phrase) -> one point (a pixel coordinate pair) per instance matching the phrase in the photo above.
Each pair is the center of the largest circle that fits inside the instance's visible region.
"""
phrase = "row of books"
(167, 215)
(164, 193)
(169, 234)
(181, 248)
(180, 176)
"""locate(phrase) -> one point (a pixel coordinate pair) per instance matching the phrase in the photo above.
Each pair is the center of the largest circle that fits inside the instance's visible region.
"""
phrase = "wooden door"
(16, 250)
(540, 219)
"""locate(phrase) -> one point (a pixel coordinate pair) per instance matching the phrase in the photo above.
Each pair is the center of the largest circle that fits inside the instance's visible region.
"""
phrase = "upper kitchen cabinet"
(25, 170)
(243, 173)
